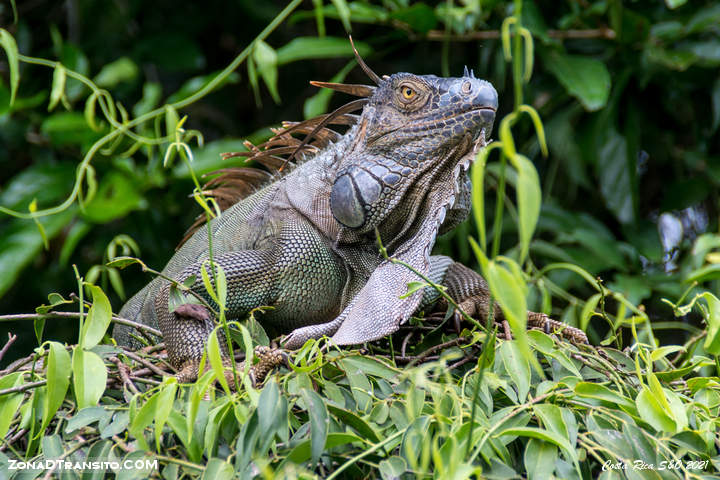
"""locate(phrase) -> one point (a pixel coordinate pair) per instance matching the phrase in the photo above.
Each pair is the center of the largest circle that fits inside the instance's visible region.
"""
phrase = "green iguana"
(304, 240)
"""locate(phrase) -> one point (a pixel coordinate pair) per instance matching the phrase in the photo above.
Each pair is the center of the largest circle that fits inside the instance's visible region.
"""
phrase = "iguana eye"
(407, 92)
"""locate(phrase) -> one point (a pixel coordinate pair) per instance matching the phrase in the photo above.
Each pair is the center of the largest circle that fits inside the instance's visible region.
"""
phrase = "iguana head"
(429, 111)
(411, 127)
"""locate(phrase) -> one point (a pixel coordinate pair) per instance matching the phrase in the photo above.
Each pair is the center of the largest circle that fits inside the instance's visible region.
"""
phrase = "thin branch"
(20, 433)
(440, 346)
(123, 371)
(23, 387)
(11, 340)
(38, 316)
(440, 35)
(146, 363)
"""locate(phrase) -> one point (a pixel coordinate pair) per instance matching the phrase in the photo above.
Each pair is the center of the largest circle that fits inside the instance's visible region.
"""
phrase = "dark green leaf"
(89, 377)
(355, 422)
(584, 78)
(8, 43)
(97, 320)
(121, 70)
(303, 48)
(319, 422)
(420, 17)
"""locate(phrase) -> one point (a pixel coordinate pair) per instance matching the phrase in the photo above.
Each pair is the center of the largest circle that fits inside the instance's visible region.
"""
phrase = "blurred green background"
(629, 93)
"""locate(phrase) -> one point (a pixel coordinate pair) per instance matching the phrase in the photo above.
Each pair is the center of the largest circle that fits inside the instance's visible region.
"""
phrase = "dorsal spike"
(348, 107)
(466, 73)
(357, 90)
(373, 76)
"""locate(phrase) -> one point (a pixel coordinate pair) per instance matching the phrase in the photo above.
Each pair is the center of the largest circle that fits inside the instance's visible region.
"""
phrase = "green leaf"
(98, 319)
(413, 287)
(8, 43)
(58, 380)
(304, 48)
(509, 292)
(120, 71)
(58, 86)
(712, 341)
(360, 387)
(141, 419)
(266, 60)
(653, 413)
(675, 3)
(166, 399)
(52, 446)
(392, 468)
(344, 13)
(704, 19)
(172, 118)
(68, 128)
(529, 200)
(216, 362)
(371, 366)
(217, 468)
(601, 392)
(540, 459)
(87, 416)
(584, 78)
(319, 422)
(663, 352)
(414, 439)
(117, 196)
(89, 112)
(9, 404)
(615, 171)
(123, 262)
(55, 299)
(355, 422)
(543, 435)
(301, 453)
(89, 377)
(99, 451)
(517, 366)
(419, 16)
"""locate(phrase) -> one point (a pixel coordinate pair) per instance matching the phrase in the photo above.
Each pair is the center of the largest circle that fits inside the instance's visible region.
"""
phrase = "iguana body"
(305, 243)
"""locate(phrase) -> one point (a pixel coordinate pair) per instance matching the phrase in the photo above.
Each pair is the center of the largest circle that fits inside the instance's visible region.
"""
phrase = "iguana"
(303, 241)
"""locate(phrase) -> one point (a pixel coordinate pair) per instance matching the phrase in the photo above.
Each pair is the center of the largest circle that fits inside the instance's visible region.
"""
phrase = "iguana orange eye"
(408, 93)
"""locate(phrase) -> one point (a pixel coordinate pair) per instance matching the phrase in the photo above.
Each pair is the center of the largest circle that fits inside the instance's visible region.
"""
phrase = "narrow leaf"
(58, 380)
(58, 86)
(98, 319)
(319, 422)
(89, 377)
(8, 43)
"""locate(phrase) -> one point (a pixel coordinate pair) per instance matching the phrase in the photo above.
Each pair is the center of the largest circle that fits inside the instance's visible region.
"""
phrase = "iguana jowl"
(305, 242)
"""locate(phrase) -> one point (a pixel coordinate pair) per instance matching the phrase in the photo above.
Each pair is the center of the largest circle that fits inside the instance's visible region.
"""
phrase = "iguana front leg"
(472, 294)
(250, 275)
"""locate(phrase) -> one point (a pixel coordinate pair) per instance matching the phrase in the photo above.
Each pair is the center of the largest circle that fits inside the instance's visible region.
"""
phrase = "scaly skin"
(305, 244)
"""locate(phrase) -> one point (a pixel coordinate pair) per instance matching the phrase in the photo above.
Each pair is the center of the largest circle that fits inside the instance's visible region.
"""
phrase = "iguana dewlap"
(305, 242)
